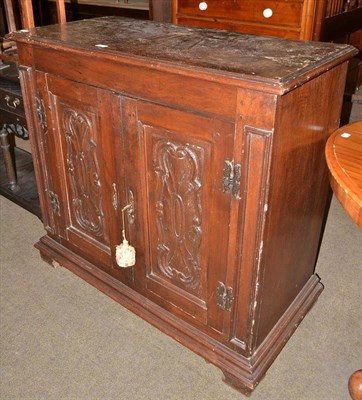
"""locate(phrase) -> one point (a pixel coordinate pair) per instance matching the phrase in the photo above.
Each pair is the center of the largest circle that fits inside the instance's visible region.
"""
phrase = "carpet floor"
(63, 339)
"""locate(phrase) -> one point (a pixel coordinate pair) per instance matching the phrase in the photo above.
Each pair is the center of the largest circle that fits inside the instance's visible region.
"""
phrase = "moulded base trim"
(240, 372)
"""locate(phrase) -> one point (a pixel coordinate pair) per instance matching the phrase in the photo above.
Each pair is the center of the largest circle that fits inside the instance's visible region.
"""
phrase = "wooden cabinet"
(292, 18)
(214, 139)
(295, 19)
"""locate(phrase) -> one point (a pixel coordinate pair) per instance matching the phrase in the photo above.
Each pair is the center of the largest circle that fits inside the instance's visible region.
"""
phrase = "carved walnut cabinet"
(212, 143)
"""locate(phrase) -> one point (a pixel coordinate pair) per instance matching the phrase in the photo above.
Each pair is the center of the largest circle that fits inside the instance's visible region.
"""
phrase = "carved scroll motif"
(40, 111)
(178, 170)
(84, 171)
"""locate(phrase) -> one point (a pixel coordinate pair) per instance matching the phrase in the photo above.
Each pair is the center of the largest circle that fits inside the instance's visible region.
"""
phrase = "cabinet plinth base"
(236, 383)
(240, 372)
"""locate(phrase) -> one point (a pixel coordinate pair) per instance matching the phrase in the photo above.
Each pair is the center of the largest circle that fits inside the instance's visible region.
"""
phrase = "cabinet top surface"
(279, 61)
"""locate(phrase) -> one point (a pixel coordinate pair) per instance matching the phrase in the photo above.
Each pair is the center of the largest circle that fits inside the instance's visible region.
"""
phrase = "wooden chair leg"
(8, 160)
(355, 385)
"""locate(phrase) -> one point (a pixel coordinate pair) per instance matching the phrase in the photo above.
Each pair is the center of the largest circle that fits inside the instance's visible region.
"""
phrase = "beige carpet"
(62, 339)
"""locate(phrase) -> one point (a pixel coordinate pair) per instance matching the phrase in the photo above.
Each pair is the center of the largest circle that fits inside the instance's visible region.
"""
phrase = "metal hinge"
(231, 178)
(225, 297)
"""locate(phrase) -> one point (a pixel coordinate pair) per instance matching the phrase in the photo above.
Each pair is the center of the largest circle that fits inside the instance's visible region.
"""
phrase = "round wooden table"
(344, 159)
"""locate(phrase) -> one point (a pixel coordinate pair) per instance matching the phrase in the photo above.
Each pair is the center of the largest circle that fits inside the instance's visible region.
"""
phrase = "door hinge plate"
(225, 297)
(231, 178)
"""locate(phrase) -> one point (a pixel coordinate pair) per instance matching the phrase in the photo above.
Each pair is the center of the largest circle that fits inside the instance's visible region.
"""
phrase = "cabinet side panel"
(299, 192)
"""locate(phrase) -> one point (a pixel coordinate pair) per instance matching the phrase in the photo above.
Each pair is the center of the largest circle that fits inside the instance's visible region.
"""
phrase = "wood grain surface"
(344, 159)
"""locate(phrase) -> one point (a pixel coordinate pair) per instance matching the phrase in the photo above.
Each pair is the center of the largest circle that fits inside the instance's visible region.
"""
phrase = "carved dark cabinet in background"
(214, 139)
(157, 10)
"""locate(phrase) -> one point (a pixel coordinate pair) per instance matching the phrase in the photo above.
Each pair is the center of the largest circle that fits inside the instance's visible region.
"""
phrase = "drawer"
(287, 13)
(238, 26)
(11, 102)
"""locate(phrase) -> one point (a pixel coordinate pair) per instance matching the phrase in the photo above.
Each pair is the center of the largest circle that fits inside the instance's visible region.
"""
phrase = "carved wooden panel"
(83, 170)
(78, 130)
(178, 172)
(176, 257)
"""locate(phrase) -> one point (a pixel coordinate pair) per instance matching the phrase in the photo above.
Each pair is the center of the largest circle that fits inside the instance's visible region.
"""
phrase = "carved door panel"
(174, 168)
(82, 130)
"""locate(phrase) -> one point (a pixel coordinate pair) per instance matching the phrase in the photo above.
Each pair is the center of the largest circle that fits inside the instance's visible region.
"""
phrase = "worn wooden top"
(276, 60)
(344, 159)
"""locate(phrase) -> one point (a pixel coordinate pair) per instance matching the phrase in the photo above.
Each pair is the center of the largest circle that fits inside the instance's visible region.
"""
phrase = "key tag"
(125, 253)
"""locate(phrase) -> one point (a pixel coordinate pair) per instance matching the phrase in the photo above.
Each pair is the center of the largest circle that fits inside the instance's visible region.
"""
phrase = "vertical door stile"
(108, 119)
(118, 177)
(257, 134)
(129, 179)
(237, 204)
(58, 155)
(49, 149)
(143, 199)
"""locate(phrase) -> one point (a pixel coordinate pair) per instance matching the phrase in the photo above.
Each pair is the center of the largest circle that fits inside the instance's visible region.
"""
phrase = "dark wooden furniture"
(344, 160)
(12, 118)
(76, 10)
(324, 20)
(27, 195)
(157, 10)
(17, 180)
(17, 172)
(161, 10)
(212, 140)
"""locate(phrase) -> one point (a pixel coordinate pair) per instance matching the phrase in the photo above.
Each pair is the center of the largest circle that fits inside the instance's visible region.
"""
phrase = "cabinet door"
(174, 168)
(80, 164)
